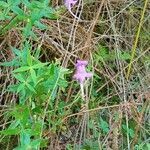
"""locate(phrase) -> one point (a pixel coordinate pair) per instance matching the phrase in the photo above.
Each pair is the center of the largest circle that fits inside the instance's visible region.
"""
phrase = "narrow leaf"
(30, 87)
(33, 75)
(22, 69)
(10, 131)
(20, 88)
(40, 65)
(19, 77)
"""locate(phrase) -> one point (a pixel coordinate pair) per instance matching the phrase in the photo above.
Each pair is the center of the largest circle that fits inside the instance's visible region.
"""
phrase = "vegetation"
(74, 75)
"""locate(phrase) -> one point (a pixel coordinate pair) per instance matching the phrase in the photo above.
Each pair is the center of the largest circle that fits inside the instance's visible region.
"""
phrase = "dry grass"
(112, 24)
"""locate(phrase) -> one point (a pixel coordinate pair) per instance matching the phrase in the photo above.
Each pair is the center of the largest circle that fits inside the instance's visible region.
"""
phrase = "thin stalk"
(136, 40)
(82, 91)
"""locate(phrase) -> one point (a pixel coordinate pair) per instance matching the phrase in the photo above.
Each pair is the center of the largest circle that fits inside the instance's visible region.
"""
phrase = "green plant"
(29, 15)
(41, 107)
(36, 81)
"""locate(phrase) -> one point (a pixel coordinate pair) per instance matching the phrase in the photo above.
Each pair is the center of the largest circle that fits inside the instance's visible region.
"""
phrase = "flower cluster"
(81, 73)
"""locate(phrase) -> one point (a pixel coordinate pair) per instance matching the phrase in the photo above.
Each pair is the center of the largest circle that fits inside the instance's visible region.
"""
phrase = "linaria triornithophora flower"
(81, 73)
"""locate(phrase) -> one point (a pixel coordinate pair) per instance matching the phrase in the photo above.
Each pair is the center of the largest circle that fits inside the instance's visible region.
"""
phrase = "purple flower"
(81, 73)
(69, 4)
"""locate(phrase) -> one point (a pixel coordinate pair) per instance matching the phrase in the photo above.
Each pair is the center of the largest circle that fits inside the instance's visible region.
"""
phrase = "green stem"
(136, 40)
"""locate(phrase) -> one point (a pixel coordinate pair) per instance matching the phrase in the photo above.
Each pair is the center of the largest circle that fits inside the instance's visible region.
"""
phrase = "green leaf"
(18, 11)
(30, 87)
(148, 145)
(3, 4)
(40, 25)
(104, 126)
(22, 69)
(35, 143)
(29, 57)
(10, 131)
(14, 124)
(125, 56)
(22, 96)
(62, 83)
(12, 24)
(25, 138)
(27, 29)
(37, 53)
(14, 62)
(128, 130)
(16, 51)
(20, 87)
(21, 113)
(12, 2)
(26, 3)
(35, 16)
(13, 88)
(19, 77)
(33, 75)
(21, 148)
(36, 129)
(40, 65)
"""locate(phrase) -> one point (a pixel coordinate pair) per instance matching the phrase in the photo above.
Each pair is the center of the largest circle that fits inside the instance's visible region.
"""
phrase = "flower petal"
(81, 73)
(69, 4)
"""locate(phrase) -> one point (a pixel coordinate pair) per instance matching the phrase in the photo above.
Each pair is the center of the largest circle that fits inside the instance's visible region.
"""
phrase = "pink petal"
(81, 73)
(69, 4)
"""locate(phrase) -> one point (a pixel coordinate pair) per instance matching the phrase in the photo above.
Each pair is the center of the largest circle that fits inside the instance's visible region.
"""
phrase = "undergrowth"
(43, 105)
